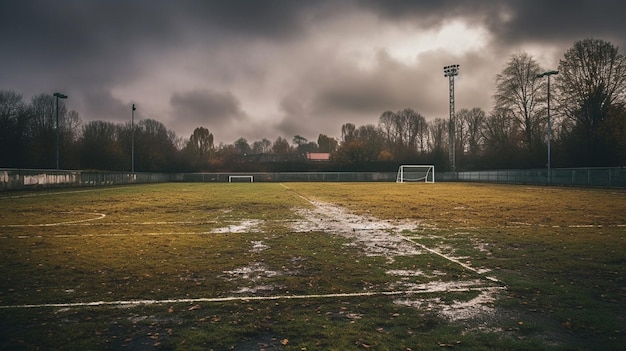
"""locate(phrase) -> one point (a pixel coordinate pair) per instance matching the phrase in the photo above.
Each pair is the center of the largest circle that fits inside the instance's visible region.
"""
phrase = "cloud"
(281, 67)
(216, 110)
(562, 23)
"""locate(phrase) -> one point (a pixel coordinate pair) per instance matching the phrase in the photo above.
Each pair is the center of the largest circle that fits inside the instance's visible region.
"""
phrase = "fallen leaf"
(194, 307)
(285, 342)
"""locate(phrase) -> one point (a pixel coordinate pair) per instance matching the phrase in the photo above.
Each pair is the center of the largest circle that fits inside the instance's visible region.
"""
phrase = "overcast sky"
(262, 69)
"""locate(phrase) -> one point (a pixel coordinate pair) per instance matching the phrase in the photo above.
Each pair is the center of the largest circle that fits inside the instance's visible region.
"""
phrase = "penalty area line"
(466, 266)
(134, 303)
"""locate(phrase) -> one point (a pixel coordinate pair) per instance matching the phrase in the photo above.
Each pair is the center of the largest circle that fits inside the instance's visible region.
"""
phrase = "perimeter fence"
(295, 177)
(608, 177)
(25, 179)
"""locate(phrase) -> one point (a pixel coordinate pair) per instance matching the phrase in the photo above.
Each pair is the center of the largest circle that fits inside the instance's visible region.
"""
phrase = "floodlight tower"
(58, 96)
(450, 72)
(549, 132)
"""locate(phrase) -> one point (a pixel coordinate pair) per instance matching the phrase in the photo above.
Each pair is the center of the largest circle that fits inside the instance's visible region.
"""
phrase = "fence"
(21, 179)
(295, 177)
(609, 177)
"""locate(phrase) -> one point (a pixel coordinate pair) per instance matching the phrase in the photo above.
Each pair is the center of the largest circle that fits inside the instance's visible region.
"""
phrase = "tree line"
(587, 118)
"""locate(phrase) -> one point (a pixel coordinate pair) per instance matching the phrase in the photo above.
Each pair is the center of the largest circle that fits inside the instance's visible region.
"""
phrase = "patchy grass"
(564, 280)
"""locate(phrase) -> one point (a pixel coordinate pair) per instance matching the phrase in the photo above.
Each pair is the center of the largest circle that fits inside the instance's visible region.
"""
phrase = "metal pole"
(549, 132)
(132, 138)
(57, 129)
(58, 96)
(549, 136)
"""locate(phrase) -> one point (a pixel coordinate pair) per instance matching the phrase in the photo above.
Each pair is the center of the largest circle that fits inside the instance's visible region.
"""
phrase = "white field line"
(451, 259)
(80, 221)
(133, 303)
(524, 224)
(60, 193)
(108, 235)
(297, 193)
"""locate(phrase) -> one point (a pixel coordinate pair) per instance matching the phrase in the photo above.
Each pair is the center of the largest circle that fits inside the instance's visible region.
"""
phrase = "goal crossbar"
(240, 178)
(416, 173)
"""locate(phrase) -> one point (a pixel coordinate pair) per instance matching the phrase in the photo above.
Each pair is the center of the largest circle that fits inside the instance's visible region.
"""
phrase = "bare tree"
(412, 124)
(386, 123)
(242, 146)
(326, 144)
(299, 140)
(519, 91)
(347, 131)
(405, 130)
(280, 146)
(591, 83)
(262, 147)
(101, 148)
(471, 123)
(201, 141)
(499, 132)
(14, 119)
(437, 132)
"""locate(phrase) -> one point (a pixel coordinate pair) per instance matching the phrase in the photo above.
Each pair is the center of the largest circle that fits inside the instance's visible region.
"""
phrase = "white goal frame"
(416, 173)
(230, 178)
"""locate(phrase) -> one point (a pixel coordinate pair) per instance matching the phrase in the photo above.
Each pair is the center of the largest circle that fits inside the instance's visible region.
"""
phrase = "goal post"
(241, 179)
(416, 173)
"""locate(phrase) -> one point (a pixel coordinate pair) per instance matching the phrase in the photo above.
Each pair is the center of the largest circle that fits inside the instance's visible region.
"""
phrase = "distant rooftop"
(318, 156)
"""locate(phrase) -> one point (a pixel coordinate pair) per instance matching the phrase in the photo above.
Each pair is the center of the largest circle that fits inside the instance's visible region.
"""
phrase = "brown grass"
(560, 252)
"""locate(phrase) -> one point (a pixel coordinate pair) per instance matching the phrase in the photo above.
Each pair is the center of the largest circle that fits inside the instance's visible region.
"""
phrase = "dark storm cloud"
(390, 84)
(206, 108)
(516, 21)
(556, 21)
(107, 55)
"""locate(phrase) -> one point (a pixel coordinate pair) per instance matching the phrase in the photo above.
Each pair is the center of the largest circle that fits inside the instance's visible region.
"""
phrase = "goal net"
(416, 173)
(241, 179)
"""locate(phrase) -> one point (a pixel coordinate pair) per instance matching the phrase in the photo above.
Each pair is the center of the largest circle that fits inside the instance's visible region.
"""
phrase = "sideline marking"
(243, 298)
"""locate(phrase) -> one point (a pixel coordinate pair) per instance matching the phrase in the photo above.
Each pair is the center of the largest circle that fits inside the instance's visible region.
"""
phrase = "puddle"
(258, 246)
(480, 306)
(252, 272)
(245, 226)
(376, 237)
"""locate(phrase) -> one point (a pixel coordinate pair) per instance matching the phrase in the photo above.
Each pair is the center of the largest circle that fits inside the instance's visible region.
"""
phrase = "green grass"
(565, 286)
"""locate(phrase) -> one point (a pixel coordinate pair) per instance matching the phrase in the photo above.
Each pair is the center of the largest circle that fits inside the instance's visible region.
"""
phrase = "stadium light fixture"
(58, 96)
(549, 132)
(451, 71)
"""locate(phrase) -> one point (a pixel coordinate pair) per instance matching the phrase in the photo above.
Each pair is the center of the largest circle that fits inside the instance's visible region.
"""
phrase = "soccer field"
(313, 266)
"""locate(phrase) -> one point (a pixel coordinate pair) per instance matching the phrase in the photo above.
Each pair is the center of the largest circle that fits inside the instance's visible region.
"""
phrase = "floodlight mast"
(549, 132)
(451, 71)
(58, 96)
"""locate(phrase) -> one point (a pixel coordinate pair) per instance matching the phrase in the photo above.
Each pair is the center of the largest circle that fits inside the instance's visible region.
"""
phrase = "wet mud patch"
(243, 226)
(374, 236)
(475, 296)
